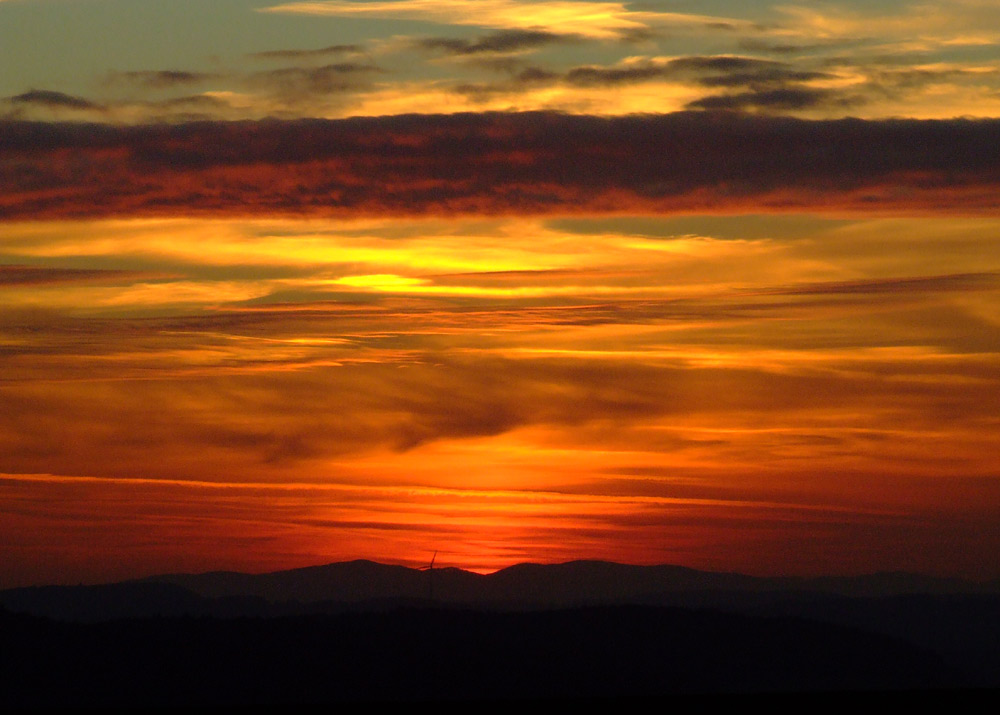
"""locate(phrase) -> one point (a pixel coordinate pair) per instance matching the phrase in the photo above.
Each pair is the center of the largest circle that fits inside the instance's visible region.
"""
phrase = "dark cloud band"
(500, 42)
(530, 163)
(49, 98)
(18, 276)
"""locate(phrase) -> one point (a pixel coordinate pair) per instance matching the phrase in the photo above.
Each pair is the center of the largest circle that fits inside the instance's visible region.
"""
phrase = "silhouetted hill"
(125, 600)
(890, 584)
(569, 584)
(407, 655)
(590, 582)
(361, 630)
(350, 581)
(963, 629)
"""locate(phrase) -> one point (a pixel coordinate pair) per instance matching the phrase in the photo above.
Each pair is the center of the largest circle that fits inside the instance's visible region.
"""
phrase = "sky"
(712, 283)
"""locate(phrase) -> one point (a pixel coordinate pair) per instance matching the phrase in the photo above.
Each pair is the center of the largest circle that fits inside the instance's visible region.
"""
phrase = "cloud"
(713, 71)
(320, 411)
(206, 102)
(160, 79)
(777, 48)
(282, 55)
(601, 20)
(775, 86)
(942, 24)
(783, 99)
(493, 164)
(722, 63)
(13, 275)
(51, 99)
(337, 77)
(912, 81)
(501, 42)
(908, 285)
(608, 76)
(769, 77)
(279, 92)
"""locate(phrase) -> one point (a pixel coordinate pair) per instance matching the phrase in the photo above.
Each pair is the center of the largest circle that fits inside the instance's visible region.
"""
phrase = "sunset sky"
(709, 283)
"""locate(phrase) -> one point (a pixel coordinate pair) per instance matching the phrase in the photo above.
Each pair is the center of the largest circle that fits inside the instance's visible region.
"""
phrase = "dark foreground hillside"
(407, 655)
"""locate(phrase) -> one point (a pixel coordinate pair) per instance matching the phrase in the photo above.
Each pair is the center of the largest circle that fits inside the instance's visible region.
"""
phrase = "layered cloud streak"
(531, 163)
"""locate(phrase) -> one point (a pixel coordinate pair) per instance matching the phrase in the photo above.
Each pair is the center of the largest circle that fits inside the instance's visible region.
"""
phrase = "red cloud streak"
(525, 163)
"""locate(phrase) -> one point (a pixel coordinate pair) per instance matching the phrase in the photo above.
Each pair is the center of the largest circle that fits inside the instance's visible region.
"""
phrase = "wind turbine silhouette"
(430, 576)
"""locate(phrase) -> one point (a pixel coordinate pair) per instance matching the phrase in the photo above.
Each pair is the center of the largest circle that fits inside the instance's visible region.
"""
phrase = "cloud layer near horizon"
(494, 163)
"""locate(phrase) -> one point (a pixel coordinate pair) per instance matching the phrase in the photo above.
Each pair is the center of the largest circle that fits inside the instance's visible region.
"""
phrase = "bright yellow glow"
(381, 281)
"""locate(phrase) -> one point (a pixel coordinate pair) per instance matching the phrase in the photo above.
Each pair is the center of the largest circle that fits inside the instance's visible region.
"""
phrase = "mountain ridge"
(600, 580)
(956, 619)
(566, 583)
(362, 584)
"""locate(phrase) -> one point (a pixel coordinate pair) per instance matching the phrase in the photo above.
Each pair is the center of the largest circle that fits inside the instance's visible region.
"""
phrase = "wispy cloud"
(496, 43)
(283, 55)
(777, 100)
(15, 275)
(956, 22)
(310, 81)
(160, 79)
(50, 98)
(601, 20)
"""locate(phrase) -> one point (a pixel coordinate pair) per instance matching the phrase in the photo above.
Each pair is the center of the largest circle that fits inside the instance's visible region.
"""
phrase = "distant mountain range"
(568, 584)
(361, 630)
(367, 585)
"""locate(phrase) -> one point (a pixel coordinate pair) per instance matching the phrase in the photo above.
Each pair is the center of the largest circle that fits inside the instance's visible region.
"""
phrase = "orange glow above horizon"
(763, 394)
